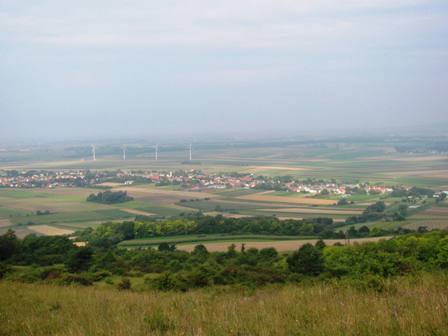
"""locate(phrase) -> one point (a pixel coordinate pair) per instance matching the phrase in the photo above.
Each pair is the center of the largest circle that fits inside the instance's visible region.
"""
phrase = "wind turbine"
(190, 152)
(124, 152)
(156, 152)
(93, 153)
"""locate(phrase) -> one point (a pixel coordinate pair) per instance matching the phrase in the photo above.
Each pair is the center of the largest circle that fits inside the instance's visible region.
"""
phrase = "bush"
(166, 282)
(110, 197)
(51, 273)
(79, 259)
(100, 275)
(28, 275)
(4, 269)
(76, 279)
(125, 284)
(307, 260)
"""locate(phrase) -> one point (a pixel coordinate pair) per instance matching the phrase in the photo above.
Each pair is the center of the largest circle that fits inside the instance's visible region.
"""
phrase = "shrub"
(100, 275)
(166, 282)
(3, 270)
(51, 273)
(307, 260)
(125, 284)
(76, 279)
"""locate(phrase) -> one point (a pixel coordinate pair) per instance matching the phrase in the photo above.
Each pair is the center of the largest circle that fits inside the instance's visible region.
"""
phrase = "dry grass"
(281, 168)
(162, 196)
(408, 307)
(226, 215)
(439, 173)
(279, 245)
(314, 211)
(50, 230)
(434, 211)
(266, 197)
(137, 212)
(4, 222)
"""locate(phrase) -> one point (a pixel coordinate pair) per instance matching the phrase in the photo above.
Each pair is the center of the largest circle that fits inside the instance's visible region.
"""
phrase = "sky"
(141, 67)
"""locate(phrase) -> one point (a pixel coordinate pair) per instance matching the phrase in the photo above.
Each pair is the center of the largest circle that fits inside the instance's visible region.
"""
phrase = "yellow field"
(442, 173)
(314, 211)
(162, 196)
(49, 230)
(4, 222)
(137, 212)
(281, 246)
(226, 215)
(262, 168)
(266, 197)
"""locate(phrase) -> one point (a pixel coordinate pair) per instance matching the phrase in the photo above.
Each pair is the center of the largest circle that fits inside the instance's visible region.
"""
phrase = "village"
(193, 180)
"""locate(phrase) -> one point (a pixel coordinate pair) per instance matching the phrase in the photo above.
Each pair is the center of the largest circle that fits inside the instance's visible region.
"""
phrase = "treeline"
(379, 211)
(108, 234)
(413, 192)
(57, 260)
(109, 197)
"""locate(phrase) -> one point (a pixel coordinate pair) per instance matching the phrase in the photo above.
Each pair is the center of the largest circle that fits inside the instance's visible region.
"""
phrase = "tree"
(79, 259)
(200, 250)
(307, 260)
(320, 244)
(325, 192)
(110, 197)
(422, 229)
(165, 247)
(375, 208)
(342, 201)
(351, 232)
(9, 244)
(364, 230)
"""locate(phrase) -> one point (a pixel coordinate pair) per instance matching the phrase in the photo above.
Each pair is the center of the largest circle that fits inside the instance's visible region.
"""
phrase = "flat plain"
(347, 162)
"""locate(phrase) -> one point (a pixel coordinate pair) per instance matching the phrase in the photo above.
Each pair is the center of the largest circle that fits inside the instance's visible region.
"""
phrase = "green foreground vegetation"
(57, 260)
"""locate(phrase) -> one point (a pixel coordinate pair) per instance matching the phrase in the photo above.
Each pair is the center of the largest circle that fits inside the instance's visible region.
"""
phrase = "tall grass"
(406, 306)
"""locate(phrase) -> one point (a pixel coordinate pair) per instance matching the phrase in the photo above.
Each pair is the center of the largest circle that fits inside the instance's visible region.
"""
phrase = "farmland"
(221, 242)
(281, 245)
(370, 162)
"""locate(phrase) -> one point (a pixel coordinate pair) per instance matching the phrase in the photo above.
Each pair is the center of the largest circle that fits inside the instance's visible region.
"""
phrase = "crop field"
(279, 245)
(320, 211)
(221, 242)
(346, 161)
(69, 209)
(47, 230)
(267, 197)
(208, 238)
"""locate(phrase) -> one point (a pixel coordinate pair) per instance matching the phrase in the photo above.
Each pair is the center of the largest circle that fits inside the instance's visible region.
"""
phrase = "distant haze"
(122, 68)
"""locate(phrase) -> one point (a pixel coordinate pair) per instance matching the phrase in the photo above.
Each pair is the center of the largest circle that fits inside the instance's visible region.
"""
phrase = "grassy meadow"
(402, 306)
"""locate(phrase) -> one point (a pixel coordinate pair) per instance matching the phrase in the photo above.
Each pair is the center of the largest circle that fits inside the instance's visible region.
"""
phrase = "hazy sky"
(99, 67)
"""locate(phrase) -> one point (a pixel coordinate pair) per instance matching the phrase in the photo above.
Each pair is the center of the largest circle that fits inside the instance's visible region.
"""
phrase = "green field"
(206, 238)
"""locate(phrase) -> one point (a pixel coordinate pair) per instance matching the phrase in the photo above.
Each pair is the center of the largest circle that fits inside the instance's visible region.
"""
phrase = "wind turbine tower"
(124, 153)
(190, 153)
(93, 153)
(157, 152)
